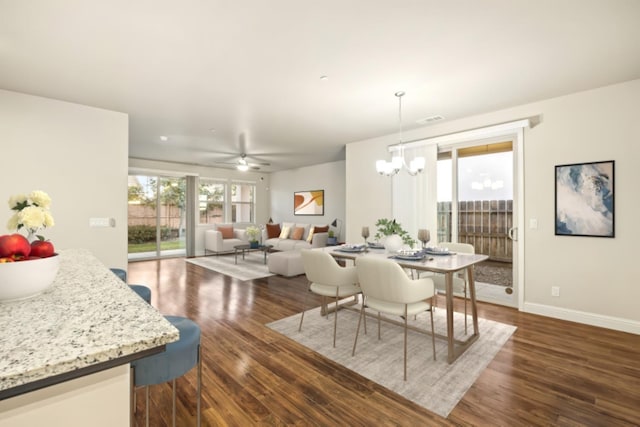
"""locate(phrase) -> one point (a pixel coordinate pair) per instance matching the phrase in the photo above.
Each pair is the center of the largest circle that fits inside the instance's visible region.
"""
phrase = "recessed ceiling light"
(324, 78)
(164, 138)
(430, 119)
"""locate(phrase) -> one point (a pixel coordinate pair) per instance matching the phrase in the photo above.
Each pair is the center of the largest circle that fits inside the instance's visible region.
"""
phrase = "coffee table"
(247, 248)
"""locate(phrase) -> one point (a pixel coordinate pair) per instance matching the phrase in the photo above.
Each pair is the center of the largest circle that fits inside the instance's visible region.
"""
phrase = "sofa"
(223, 238)
(294, 236)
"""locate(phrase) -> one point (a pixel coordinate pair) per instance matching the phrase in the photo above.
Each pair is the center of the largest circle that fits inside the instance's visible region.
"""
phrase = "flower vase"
(254, 244)
(393, 243)
(31, 236)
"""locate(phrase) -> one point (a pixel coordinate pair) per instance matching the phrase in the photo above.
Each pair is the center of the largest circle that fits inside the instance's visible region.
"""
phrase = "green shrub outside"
(147, 233)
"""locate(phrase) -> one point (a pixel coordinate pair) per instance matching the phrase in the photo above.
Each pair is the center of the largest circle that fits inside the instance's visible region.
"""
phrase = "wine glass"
(365, 234)
(424, 236)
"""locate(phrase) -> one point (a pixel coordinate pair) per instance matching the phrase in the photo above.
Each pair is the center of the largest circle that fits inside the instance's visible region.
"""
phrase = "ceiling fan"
(243, 164)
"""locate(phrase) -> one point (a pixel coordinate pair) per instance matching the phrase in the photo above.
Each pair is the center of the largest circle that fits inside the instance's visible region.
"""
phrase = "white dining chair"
(328, 279)
(460, 279)
(387, 289)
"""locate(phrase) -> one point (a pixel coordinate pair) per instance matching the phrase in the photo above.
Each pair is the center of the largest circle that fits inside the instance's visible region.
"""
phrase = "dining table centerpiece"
(391, 234)
(28, 264)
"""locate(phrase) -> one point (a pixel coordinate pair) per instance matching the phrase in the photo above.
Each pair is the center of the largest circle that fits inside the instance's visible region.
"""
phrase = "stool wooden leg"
(173, 398)
(199, 382)
(146, 389)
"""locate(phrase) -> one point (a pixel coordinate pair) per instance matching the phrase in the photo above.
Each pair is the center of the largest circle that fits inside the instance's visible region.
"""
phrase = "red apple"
(14, 245)
(41, 248)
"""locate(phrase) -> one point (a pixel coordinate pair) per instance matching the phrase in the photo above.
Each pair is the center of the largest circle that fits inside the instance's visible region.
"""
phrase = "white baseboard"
(615, 323)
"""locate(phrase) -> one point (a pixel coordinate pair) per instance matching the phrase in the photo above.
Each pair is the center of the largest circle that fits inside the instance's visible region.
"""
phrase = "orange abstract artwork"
(308, 202)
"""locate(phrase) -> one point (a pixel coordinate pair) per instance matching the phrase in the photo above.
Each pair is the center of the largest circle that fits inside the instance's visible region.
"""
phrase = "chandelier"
(397, 162)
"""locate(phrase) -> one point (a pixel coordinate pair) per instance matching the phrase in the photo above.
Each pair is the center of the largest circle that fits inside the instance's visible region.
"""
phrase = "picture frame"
(308, 202)
(585, 199)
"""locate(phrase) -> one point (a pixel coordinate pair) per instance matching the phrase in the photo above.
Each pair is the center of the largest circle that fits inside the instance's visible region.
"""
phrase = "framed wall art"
(308, 202)
(584, 202)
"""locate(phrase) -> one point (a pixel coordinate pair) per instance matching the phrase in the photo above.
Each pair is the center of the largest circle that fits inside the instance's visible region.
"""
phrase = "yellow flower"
(40, 198)
(31, 217)
(12, 225)
(17, 199)
(48, 219)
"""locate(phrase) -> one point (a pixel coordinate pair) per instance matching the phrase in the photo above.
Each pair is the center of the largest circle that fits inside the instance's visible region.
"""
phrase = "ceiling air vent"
(430, 119)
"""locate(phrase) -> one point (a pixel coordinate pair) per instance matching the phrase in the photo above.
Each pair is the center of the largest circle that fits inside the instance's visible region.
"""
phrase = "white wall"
(78, 155)
(261, 180)
(594, 274)
(329, 177)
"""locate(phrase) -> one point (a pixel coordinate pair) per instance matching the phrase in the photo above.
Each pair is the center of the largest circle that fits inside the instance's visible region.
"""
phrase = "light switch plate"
(102, 222)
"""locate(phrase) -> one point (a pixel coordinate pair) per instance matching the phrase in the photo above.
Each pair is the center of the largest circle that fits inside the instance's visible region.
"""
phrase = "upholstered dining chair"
(460, 279)
(387, 289)
(328, 279)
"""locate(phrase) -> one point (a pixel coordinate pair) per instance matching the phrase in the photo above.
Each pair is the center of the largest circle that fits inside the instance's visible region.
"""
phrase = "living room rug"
(249, 268)
(434, 385)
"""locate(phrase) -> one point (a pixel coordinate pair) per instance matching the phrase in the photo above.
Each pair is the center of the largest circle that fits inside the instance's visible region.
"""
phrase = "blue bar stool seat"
(178, 358)
(143, 291)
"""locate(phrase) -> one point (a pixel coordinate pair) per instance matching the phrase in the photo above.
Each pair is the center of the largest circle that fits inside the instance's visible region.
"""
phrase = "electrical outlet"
(555, 291)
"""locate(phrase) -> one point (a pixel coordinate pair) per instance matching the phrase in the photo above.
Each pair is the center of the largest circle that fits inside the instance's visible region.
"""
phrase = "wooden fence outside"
(484, 224)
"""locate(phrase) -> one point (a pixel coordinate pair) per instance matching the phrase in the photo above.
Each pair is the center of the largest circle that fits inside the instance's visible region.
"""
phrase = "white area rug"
(435, 385)
(252, 267)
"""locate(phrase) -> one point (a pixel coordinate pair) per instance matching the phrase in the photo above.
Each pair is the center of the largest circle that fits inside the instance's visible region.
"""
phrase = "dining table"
(446, 263)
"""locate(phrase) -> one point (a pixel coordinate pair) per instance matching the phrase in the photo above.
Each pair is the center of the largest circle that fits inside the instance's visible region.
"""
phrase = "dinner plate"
(430, 252)
(353, 250)
(418, 257)
(376, 246)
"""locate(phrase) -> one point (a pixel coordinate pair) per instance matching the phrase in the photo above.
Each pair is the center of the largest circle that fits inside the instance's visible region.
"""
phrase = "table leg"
(472, 296)
(450, 344)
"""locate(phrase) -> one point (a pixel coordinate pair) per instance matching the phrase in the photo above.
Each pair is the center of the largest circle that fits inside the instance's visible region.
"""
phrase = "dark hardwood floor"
(550, 373)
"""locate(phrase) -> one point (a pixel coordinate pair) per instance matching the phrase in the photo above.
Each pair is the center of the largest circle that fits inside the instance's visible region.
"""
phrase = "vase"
(393, 243)
(254, 244)
(31, 236)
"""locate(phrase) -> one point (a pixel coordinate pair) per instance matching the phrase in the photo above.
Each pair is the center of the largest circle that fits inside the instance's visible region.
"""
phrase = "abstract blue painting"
(585, 199)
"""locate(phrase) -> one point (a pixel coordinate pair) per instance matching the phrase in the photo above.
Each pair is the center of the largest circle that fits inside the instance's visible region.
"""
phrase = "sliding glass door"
(476, 206)
(156, 216)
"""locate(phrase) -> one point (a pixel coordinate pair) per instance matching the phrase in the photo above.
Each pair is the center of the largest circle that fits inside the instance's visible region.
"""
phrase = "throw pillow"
(310, 236)
(273, 231)
(284, 234)
(297, 233)
(227, 232)
(321, 229)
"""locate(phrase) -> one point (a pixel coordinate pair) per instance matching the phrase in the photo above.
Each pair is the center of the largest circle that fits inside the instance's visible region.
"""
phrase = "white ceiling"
(250, 69)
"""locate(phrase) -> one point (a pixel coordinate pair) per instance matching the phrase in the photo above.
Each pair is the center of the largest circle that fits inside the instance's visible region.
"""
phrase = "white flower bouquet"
(31, 212)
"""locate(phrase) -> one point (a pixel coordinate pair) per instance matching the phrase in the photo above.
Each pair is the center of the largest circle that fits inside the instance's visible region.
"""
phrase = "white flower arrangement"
(253, 233)
(32, 212)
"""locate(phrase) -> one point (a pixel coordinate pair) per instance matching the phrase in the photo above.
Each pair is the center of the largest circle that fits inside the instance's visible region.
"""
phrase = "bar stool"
(143, 291)
(178, 358)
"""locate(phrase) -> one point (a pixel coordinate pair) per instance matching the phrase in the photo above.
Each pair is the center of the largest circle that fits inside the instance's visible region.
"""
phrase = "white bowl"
(25, 279)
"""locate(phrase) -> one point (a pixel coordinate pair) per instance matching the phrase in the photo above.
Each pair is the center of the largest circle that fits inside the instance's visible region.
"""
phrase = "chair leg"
(353, 352)
(405, 341)
(465, 308)
(433, 334)
(365, 317)
(335, 319)
(304, 307)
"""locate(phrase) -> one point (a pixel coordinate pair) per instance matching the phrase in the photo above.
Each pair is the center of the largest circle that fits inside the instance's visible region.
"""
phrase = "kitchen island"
(68, 349)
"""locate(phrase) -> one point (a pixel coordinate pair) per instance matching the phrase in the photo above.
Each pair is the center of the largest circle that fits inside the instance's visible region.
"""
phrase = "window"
(243, 202)
(211, 202)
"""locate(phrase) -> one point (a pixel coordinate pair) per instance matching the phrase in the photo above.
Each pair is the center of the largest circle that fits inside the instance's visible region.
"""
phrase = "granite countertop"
(87, 317)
